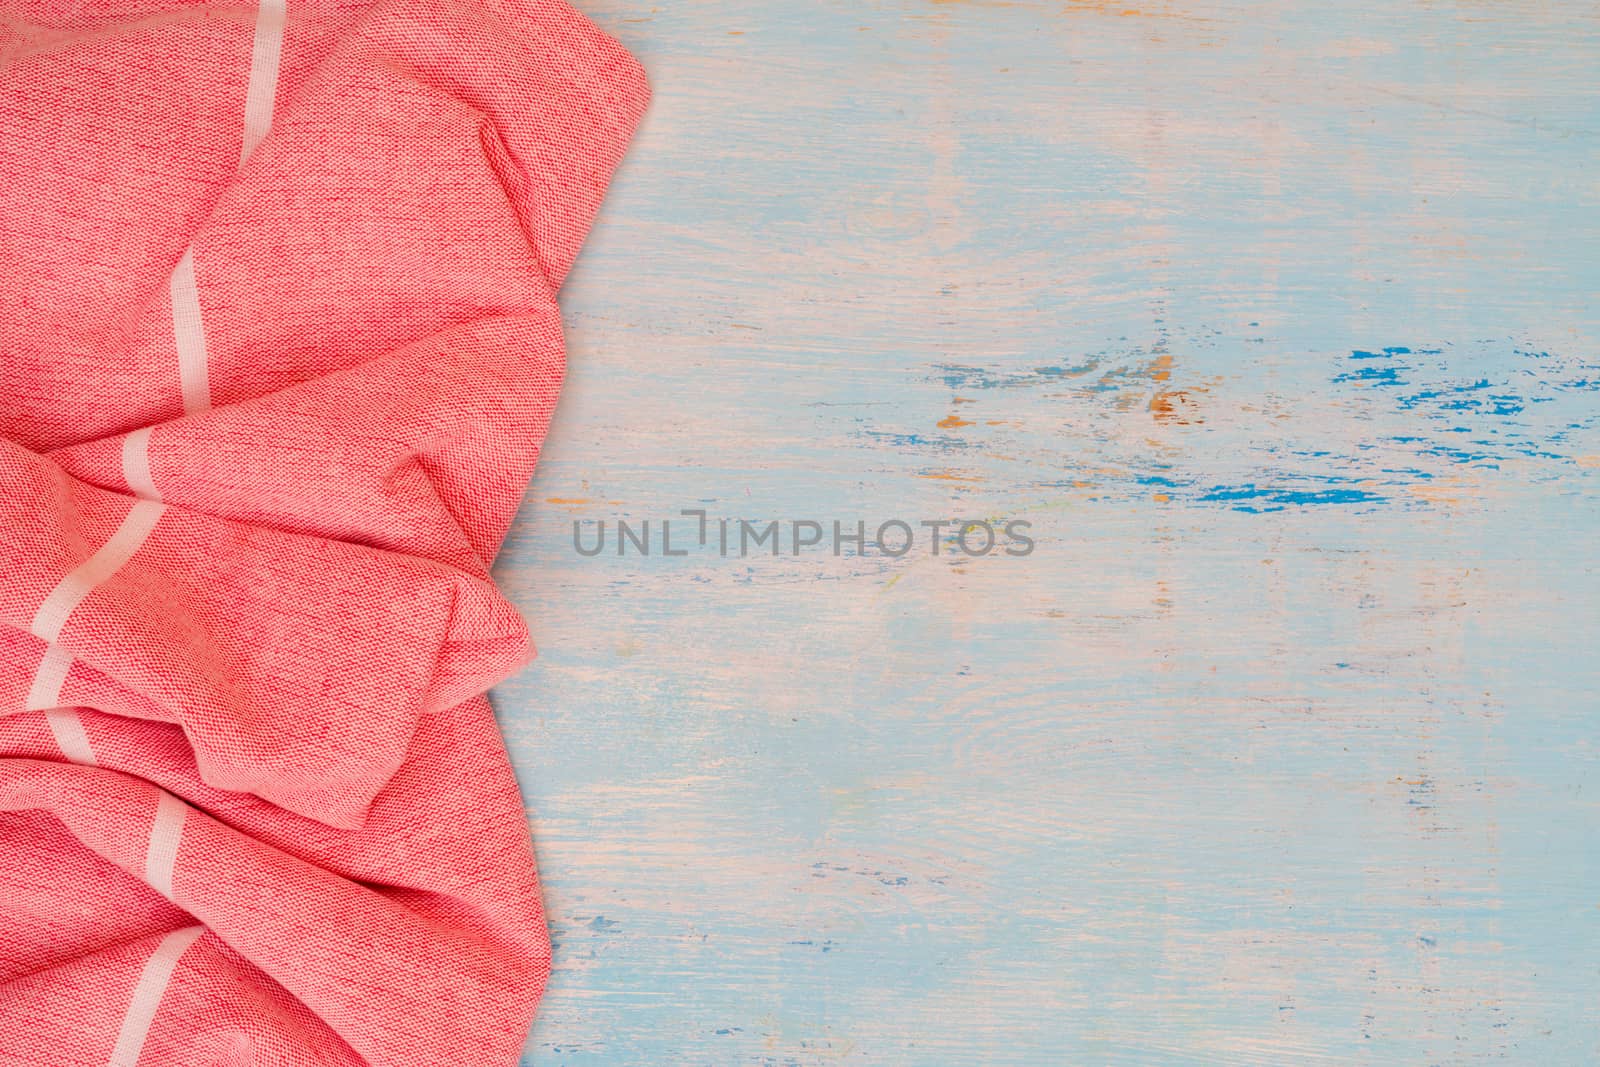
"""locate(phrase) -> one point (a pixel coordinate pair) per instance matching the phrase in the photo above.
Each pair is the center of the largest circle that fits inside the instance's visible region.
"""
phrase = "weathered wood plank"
(1278, 324)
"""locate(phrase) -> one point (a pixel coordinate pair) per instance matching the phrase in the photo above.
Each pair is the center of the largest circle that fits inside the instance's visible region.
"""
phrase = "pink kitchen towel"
(278, 347)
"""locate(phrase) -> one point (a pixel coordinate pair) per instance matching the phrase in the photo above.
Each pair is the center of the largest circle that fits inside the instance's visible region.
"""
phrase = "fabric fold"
(279, 346)
(382, 947)
(296, 665)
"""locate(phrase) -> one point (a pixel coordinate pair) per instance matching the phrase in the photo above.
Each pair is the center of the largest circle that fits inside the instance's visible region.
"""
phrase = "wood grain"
(1278, 323)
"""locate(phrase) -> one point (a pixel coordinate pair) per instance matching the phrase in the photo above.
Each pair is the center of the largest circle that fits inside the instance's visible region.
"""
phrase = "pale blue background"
(1281, 748)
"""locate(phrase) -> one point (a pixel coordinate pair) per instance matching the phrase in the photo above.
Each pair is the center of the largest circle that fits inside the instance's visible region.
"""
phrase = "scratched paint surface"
(1278, 323)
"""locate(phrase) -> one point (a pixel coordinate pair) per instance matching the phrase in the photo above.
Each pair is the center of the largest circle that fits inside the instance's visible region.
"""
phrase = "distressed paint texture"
(1278, 322)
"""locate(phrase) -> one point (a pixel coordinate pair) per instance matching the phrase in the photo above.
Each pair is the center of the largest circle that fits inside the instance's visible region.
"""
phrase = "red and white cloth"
(278, 347)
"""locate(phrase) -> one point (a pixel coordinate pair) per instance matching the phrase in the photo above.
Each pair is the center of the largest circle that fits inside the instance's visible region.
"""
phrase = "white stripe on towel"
(67, 727)
(113, 555)
(188, 324)
(265, 52)
(45, 692)
(166, 832)
(136, 465)
(189, 333)
(147, 995)
(48, 678)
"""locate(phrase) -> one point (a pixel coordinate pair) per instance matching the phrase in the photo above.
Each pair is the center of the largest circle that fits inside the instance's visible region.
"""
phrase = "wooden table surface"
(1277, 323)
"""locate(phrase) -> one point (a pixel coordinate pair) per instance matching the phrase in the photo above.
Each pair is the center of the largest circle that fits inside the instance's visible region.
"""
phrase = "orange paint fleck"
(1152, 11)
(1448, 490)
(953, 422)
(1162, 498)
(1161, 369)
(948, 476)
(567, 500)
(1177, 406)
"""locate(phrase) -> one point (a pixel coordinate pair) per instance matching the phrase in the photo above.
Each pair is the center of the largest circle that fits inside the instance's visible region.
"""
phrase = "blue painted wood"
(1278, 324)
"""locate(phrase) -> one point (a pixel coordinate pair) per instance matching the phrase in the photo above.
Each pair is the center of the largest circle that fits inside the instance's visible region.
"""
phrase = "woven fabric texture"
(278, 348)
